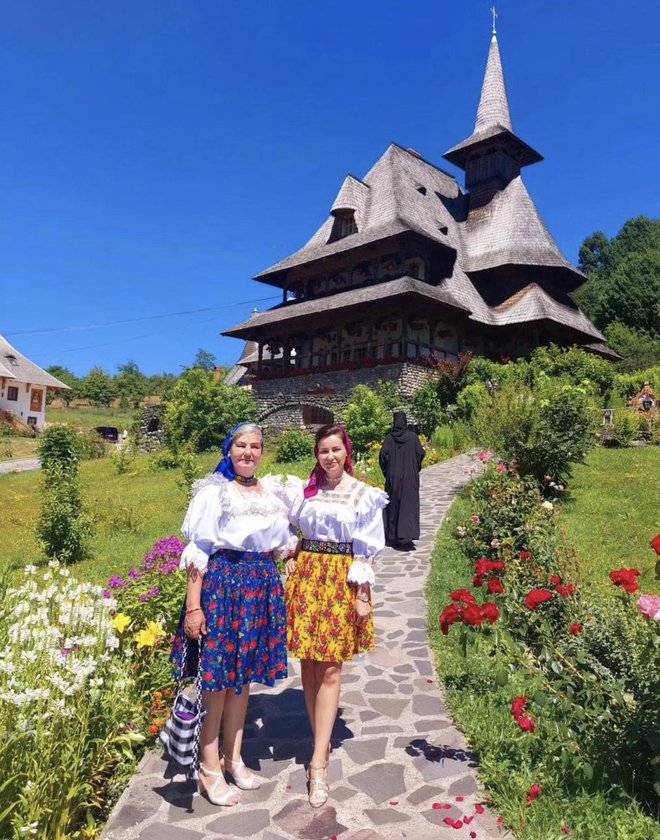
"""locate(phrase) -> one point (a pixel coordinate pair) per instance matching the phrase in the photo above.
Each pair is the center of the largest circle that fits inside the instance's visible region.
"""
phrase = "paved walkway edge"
(399, 765)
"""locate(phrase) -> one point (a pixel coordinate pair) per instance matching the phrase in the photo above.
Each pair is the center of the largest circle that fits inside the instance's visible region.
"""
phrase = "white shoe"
(227, 799)
(243, 778)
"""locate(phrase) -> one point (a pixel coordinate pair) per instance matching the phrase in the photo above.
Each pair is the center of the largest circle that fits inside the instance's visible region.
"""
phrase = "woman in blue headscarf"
(236, 526)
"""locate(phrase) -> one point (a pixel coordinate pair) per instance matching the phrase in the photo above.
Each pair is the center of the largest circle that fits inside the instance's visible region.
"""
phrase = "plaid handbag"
(180, 734)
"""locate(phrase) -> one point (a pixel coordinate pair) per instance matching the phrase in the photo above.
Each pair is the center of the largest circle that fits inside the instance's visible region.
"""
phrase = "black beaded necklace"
(247, 481)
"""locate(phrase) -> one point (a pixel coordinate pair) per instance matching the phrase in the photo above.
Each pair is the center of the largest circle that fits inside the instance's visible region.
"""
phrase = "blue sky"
(157, 154)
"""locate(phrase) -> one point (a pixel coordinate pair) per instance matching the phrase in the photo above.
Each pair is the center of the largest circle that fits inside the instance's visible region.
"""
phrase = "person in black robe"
(401, 457)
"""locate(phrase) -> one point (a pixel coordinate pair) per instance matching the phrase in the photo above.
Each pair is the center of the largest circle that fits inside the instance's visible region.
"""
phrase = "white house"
(23, 386)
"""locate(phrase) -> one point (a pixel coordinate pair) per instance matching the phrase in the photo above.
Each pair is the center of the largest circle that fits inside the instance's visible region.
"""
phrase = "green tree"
(638, 348)
(593, 252)
(161, 384)
(204, 360)
(70, 379)
(366, 417)
(632, 293)
(201, 410)
(427, 409)
(98, 387)
(130, 385)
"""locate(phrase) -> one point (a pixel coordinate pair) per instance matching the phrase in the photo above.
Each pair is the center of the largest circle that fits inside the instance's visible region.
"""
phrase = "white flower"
(30, 570)
(547, 505)
(53, 564)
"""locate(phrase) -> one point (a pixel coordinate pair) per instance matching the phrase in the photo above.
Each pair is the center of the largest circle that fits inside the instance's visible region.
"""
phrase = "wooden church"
(411, 268)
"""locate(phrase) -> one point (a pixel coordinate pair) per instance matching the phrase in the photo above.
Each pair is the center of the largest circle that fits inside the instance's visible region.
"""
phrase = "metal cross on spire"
(494, 14)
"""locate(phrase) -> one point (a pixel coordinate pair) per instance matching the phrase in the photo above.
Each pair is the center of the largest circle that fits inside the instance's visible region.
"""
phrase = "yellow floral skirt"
(320, 612)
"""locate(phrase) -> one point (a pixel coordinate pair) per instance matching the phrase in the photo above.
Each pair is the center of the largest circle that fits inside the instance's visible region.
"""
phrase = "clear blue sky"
(155, 155)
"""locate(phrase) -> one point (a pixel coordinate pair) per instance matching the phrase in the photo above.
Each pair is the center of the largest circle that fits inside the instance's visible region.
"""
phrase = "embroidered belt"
(327, 547)
(235, 556)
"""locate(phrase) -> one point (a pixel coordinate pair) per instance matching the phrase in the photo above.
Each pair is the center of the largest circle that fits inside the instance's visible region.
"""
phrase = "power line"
(137, 320)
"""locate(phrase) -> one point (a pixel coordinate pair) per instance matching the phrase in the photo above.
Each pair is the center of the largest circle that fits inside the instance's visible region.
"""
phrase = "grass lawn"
(613, 513)
(131, 511)
(89, 416)
(21, 447)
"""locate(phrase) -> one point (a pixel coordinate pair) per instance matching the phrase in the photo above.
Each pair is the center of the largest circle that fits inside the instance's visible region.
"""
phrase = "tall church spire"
(492, 152)
(493, 105)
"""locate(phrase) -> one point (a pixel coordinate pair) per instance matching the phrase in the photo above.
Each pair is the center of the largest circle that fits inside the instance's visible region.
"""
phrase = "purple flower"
(134, 574)
(144, 598)
(154, 591)
(116, 582)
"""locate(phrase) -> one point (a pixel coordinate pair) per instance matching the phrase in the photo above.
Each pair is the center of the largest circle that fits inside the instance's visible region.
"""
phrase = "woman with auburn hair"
(236, 525)
(328, 591)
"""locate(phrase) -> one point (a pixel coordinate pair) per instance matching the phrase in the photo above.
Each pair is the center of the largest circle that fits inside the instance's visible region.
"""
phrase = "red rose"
(626, 579)
(482, 566)
(478, 580)
(495, 586)
(518, 706)
(472, 615)
(526, 724)
(490, 612)
(536, 597)
(655, 544)
(533, 793)
(574, 629)
(496, 566)
(525, 555)
(554, 580)
(565, 589)
(449, 616)
(462, 595)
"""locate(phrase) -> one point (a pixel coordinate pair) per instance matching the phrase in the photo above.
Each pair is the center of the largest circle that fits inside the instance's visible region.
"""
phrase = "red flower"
(565, 589)
(484, 566)
(574, 629)
(462, 595)
(566, 829)
(453, 823)
(536, 597)
(449, 616)
(495, 586)
(526, 724)
(518, 706)
(533, 793)
(490, 612)
(478, 580)
(626, 579)
(472, 615)
(554, 580)
(655, 544)
(525, 555)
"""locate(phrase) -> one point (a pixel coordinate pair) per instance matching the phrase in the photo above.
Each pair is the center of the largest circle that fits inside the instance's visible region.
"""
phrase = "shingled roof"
(19, 367)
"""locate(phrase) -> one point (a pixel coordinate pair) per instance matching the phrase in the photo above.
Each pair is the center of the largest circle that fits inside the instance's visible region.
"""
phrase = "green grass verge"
(507, 757)
(612, 514)
(130, 511)
(20, 447)
(87, 417)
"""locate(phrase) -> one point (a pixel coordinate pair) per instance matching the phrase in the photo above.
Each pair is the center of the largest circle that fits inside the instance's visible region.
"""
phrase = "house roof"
(344, 300)
(23, 370)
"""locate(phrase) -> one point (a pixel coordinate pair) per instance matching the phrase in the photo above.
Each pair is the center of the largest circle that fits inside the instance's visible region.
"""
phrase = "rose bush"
(584, 671)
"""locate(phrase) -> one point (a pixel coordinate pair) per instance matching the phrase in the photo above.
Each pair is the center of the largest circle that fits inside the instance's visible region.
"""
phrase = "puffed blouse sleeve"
(289, 490)
(368, 537)
(200, 527)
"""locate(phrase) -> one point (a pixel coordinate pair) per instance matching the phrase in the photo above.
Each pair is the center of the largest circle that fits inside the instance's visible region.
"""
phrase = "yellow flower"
(121, 622)
(149, 635)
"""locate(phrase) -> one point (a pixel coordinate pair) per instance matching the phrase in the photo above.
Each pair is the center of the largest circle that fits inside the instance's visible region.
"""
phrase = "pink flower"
(475, 518)
(649, 605)
(501, 468)
(486, 455)
(533, 793)
(495, 543)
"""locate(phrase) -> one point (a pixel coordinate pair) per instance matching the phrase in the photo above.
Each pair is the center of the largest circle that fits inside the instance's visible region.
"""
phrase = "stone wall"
(151, 429)
(287, 403)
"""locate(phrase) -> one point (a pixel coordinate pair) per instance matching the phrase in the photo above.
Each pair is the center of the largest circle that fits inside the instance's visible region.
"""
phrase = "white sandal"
(242, 776)
(224, 799)
(319, 790)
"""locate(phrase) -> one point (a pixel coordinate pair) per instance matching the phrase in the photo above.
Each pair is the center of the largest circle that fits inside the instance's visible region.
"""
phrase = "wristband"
(194, 609)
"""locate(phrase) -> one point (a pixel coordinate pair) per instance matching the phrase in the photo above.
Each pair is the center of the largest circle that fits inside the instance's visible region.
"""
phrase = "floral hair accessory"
(225, 467)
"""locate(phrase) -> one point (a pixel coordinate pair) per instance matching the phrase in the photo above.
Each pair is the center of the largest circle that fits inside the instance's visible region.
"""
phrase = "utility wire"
(137, 320)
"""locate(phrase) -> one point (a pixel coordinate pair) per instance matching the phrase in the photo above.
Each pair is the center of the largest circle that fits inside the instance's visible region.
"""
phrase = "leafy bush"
(122, 459)
(625, 426)
(628, 384)
(92, 445)
(366, 417)
(470, 399)
(200, 410)
(190, 467)
(164, 459)
(293, 446)
(59, 447)
(443, 437)
(579, 671)
(542, 431)
(575, 366)
(427, 409)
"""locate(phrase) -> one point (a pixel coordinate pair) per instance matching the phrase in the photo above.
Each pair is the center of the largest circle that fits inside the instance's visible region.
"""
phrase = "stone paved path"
(395, 752)
(19, 465)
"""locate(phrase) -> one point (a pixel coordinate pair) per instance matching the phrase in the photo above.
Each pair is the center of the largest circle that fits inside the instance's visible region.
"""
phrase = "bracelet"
(194, 609)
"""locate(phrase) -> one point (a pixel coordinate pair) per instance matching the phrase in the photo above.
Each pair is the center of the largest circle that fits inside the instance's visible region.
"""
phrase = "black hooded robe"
(401, 459)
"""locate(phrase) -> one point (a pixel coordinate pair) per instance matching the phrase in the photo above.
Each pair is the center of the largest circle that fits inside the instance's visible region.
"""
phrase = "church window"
(12, 393)
(421, 190)
(344, 225)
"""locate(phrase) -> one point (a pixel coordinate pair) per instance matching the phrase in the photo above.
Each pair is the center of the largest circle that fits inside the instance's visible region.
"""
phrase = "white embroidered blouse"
(354, 515)
(221, 515)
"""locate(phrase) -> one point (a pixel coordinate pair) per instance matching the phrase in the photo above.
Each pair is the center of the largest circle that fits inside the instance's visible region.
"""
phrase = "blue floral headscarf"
(225, 467)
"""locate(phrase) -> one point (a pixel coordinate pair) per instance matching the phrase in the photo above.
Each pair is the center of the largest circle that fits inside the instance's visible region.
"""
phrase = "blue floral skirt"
(243, 603)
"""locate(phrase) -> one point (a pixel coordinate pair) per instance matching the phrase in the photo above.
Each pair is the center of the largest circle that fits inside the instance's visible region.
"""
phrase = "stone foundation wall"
(282, 402)
(151, 431)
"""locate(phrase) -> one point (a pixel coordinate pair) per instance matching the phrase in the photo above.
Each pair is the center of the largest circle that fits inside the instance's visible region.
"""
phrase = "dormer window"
(12, 360)
(344, 224)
